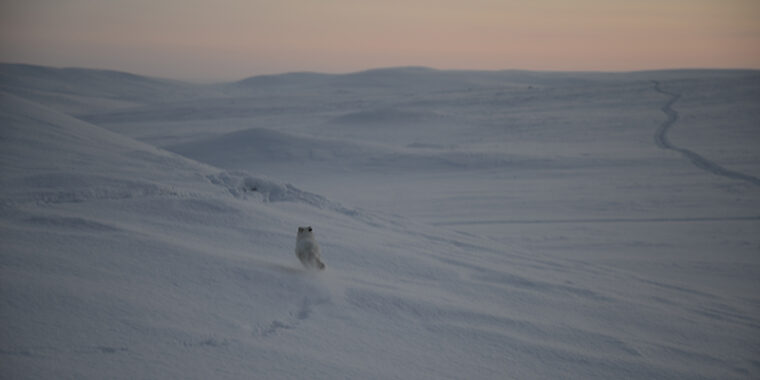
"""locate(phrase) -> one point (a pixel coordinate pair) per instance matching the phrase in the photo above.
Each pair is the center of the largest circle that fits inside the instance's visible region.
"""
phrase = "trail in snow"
(661, 139)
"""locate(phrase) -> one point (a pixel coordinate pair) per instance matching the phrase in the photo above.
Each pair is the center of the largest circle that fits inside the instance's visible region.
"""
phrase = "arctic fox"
(307, 249)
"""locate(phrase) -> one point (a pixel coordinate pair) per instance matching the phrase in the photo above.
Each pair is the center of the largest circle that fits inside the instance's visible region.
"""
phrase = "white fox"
(307, 249)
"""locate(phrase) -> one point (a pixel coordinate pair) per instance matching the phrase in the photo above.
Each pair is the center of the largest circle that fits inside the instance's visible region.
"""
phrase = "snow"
(476, 225)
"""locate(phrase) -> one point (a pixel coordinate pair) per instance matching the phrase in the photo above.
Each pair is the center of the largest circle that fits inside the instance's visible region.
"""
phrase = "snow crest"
(243, 185)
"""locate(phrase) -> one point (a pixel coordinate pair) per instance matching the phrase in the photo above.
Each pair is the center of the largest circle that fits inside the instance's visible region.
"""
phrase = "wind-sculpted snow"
(242, 185)
(266, 151)
(64, 188)
(476, 225)
(385, 116)
(262, 145)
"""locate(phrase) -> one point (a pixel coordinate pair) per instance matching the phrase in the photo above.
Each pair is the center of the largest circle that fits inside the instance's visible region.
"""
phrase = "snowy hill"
(475, 225)
(82, 91)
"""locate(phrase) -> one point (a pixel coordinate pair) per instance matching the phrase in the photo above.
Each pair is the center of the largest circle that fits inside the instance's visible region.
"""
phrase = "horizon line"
(380, 68)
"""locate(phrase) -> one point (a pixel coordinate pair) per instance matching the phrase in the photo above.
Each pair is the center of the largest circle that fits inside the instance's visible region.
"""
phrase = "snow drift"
(591, 253)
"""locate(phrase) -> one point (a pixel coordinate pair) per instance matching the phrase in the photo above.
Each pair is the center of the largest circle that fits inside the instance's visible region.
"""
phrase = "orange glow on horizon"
(232, 39)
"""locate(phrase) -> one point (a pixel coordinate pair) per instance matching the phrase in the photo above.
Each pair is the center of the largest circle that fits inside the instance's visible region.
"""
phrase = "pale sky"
(220, 40)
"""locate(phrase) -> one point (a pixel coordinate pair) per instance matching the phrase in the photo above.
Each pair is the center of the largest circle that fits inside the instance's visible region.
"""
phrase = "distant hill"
(76, 90)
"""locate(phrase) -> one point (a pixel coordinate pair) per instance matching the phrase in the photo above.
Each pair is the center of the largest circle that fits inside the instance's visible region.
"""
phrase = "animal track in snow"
(661, 139)
(294, 318)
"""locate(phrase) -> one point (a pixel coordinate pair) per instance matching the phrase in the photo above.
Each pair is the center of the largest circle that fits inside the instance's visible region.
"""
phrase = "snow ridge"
(243, 185)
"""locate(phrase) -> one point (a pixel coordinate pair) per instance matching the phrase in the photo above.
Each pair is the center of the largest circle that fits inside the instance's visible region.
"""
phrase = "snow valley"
(476, 225)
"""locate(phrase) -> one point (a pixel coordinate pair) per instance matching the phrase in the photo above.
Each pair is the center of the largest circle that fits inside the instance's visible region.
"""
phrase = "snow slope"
(475, 225)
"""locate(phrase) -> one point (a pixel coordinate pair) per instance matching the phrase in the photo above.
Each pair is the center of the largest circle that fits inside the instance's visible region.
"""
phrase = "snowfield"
(475, 225)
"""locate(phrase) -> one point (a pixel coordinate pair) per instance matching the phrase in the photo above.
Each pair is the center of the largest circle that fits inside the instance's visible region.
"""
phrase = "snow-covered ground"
(475, 225)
